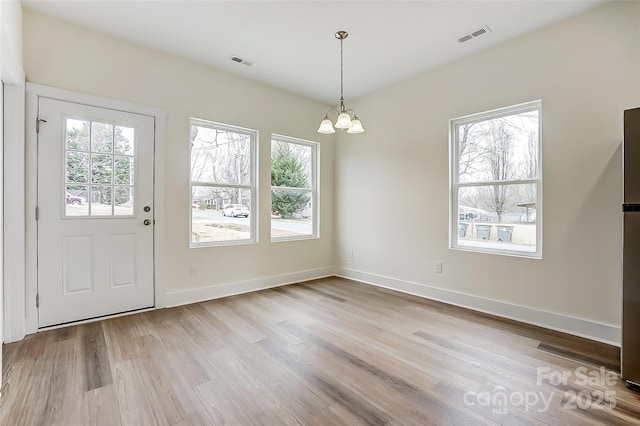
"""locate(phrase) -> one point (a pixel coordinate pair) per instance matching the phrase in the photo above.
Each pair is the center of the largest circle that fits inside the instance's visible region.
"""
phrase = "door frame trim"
(14, 214)
(33, 93)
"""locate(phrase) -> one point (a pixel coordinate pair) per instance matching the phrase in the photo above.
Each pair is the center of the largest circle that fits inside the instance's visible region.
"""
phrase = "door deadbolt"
(147, 209)
(147, 222)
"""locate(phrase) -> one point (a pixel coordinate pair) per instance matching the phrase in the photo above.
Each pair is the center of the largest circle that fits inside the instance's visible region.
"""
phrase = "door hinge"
(37, 300)
(37, 212)
(38, 120)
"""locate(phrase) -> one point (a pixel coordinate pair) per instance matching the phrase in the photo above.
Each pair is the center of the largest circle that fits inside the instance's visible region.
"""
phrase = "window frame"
(455, 185)
(313, 190)
(251, 186)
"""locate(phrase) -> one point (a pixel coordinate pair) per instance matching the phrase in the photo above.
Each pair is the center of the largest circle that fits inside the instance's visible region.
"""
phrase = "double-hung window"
(496, 181)
(223, 184)
(294, 188)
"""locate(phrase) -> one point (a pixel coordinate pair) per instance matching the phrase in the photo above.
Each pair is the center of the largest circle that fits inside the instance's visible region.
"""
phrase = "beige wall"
(393, 181)
(11, 34)
(68, 57)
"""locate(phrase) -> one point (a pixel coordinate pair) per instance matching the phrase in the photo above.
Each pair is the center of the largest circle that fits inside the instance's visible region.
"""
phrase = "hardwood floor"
(326, 352)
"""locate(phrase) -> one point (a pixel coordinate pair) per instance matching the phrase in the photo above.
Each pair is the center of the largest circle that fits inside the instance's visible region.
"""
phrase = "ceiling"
(292, 44)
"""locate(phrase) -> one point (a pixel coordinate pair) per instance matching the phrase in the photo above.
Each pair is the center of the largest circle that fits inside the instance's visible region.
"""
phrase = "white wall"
(65, 56)
(586, 71)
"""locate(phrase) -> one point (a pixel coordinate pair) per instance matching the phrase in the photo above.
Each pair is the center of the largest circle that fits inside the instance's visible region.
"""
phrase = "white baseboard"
(186, 297)
(580, 327)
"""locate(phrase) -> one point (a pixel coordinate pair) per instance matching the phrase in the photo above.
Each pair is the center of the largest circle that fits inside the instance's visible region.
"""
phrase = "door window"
(99, 168)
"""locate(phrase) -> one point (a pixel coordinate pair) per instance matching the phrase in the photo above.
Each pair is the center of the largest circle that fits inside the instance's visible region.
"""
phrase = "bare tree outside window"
(222, 175)
(496, 180)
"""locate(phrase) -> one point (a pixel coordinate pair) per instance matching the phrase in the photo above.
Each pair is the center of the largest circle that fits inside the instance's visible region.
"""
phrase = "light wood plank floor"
(326, 352)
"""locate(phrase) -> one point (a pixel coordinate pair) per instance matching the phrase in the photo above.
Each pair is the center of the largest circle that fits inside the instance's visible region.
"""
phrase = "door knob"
(147, 222)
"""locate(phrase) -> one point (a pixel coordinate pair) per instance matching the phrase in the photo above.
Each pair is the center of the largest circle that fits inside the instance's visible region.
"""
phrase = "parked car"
(235, 210)
(75, 200)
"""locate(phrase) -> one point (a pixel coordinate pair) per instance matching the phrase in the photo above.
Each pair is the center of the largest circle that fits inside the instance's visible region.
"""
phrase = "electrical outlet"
(350, 253)
(437, 267)
(193, 271)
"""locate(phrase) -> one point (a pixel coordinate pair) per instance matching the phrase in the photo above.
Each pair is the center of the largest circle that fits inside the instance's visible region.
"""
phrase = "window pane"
(77, 137)
(77, 167)
(222, 184)
(290, 164)
(123, 201)
(101, 201)
(291, 214)
(220, 214)
(292, 209)
(124, 140)
(101, 137)
(220, 156)
(76, 200)
(499, 149)
(101, 168)
(496, 170)
(123, 166)
(498, 217)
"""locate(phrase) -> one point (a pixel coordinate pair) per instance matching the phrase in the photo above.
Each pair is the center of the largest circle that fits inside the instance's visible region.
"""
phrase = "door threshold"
(94, 319)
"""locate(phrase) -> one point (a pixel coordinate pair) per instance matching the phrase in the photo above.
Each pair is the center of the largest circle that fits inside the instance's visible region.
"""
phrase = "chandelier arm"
(332, 110)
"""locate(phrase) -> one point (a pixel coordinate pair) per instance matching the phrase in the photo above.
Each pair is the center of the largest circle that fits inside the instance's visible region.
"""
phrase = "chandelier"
(346, 118)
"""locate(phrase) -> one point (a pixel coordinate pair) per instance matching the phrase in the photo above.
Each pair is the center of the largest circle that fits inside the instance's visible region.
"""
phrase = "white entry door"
(95, 212)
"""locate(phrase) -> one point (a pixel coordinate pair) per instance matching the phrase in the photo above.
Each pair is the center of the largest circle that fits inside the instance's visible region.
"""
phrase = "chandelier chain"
(341, 71)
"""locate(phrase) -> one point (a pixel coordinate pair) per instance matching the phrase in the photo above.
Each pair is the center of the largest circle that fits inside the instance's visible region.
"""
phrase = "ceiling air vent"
(240, 60)
(474, 34)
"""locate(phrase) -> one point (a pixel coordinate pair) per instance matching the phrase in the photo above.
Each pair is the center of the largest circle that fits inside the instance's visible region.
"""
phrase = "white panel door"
(95, 212)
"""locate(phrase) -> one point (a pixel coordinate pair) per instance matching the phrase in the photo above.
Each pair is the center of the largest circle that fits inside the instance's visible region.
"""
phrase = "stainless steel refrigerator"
(630, 350)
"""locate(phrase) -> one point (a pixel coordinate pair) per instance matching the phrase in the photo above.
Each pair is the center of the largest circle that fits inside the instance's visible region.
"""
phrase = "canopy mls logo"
(500, 400)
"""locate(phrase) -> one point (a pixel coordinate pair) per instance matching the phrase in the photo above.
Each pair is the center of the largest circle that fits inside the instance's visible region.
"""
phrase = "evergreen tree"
(287, 171)
(78, 162)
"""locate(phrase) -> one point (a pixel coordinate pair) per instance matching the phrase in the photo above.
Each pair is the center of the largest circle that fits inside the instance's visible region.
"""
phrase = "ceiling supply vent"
(240, 60)
(474, 34)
